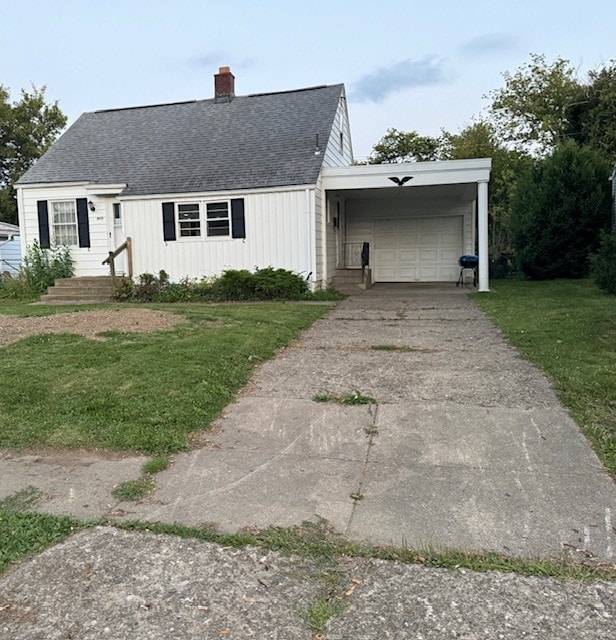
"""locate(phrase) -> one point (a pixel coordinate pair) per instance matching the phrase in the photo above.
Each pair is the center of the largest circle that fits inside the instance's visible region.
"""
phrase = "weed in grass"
(371, 430)
(322, 397)
(155, 465)
(133, 490)
(22, 500)
(355, 397)
(320, 611)
(391, 347)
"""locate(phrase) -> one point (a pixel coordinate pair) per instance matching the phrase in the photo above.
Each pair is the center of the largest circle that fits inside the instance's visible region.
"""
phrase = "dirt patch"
(88, 323)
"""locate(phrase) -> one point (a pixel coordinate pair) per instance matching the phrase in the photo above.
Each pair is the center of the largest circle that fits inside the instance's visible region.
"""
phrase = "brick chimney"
(224, 85)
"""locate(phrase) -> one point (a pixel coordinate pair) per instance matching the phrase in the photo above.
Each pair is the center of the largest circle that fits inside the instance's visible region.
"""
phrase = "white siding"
(88, 261)
(277, 234)
(339, 151)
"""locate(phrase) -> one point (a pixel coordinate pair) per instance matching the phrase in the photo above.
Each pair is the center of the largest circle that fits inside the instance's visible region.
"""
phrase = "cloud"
(487, 44)
(408, 74)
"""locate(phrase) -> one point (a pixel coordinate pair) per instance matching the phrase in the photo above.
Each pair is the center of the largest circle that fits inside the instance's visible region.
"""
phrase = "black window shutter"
(168, 221)
(83, 223)
(238, 227)
(43, 223)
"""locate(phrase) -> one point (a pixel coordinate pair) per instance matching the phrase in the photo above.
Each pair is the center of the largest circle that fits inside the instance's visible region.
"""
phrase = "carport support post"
(482, 230)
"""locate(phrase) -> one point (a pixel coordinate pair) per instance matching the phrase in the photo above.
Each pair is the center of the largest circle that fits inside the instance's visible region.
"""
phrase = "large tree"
(28, 126)
(532, 111)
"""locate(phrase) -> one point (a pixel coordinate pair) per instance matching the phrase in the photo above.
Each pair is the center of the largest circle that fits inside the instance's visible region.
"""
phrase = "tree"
(27, 129)
(479, 140)
(592, 121)
(560, 207)
(532, 111)
(406, 146)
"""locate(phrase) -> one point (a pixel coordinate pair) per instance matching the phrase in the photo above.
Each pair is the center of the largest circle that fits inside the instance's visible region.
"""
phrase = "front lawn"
(568, 328)
(137, 391)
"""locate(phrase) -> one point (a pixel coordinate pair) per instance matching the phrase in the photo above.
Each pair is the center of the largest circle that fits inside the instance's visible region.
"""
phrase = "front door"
(117, 238)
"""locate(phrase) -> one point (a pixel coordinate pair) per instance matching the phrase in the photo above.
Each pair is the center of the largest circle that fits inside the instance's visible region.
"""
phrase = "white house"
(249, 181)
(10, 249)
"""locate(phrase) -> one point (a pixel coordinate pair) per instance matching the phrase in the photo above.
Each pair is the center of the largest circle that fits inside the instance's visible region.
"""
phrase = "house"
(249, 181)
(10, 249)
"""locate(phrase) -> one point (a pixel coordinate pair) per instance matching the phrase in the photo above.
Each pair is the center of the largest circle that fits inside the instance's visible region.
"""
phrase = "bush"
(603, 263)
(561, 205)
(40, 267)
(233, 284)
(263, 284)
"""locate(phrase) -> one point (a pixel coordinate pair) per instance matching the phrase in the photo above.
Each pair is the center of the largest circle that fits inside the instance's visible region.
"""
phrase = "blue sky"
(405, 64)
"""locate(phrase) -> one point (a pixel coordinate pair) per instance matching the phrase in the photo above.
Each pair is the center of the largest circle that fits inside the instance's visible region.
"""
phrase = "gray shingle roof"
(263, 140)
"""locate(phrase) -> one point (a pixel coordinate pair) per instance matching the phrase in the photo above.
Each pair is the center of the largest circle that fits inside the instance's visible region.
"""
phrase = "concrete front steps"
(348, 281)
(86, 289)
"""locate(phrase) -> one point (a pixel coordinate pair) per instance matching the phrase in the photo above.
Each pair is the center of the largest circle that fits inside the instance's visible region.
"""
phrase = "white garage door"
(417, 249)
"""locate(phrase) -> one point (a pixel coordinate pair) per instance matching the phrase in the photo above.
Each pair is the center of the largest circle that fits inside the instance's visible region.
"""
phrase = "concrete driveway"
(466, 447)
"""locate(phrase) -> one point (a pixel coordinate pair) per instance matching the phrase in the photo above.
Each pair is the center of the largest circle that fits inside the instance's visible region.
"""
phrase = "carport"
(417, 219)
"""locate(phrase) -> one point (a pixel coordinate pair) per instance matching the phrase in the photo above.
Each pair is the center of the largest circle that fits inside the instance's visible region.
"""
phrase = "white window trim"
(203, 220)
(53, 225)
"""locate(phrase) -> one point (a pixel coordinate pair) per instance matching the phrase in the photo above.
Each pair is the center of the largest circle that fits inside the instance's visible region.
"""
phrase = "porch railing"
(127, 246)
(352, 254)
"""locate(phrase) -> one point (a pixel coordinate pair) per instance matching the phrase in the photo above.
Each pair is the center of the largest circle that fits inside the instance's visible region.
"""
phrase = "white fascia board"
(206, 195)
(51, 185)
(105, 189)
(423, 174)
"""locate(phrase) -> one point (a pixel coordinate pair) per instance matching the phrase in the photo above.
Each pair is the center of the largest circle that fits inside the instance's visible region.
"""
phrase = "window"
(189, 220)
(117, 214)
(64, 221)
(218, 219)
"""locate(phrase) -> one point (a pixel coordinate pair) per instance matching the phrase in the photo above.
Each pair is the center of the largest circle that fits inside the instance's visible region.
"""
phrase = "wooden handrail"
(127, 246)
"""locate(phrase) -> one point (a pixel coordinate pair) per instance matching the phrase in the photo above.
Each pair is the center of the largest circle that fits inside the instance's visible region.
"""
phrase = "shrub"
(562, 202)
(263, 284)
(603, 263)
(40, 267)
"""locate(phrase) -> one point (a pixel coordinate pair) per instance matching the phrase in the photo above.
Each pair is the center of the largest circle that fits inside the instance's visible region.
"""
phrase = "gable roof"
(260, 140)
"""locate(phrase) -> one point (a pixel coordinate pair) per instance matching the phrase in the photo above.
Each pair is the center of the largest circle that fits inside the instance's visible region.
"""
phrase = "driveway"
(467, 445)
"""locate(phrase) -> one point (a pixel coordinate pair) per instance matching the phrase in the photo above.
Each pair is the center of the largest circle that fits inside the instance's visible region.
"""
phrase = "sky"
(422, 66)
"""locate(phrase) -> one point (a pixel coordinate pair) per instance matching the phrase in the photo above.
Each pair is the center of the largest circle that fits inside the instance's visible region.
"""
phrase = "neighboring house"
(244, 182)
(10, 249)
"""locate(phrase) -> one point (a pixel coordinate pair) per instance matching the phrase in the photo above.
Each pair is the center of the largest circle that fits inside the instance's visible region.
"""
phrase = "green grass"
(138, 392)
(155, 465)
(23, 534)
(133, 490)
(568, 328)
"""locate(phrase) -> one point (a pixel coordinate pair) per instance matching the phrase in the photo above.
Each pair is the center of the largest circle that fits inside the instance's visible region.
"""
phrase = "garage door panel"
(417, 249)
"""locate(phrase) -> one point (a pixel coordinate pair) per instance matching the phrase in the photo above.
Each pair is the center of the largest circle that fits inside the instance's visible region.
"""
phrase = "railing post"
(112, 270)
(129, 256)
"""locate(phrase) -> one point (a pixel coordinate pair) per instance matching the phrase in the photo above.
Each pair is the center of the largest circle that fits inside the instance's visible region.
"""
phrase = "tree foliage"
(480, 140)
(531, 112)
(406, 146)
(560, 207)
(28, 126)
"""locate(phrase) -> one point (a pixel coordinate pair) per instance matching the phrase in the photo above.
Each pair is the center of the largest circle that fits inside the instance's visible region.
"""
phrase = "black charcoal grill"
(467, 262)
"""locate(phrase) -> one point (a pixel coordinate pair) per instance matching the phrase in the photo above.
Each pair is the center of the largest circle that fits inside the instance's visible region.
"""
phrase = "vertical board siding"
(88, 261)
(277, 227)
(334, 156)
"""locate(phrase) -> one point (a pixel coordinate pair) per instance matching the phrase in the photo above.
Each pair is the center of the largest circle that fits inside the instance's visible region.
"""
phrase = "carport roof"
(418, 174)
